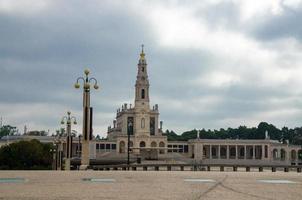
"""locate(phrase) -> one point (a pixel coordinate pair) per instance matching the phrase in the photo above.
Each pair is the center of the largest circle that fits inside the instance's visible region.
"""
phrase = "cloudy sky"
(212, 64)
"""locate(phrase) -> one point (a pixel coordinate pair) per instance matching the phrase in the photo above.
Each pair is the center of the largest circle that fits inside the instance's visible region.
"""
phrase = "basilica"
(140, 122)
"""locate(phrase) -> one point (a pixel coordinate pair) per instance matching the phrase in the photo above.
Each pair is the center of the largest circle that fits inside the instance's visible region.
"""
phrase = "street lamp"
(130, 126)
(53, 151)
(79, 144)
(87, 116)
(68, 121)
(58, 151)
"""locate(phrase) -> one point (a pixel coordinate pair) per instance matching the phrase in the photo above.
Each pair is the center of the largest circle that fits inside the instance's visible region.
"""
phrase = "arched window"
(143, 69)
(293, 155)
(142, 144)
(162, 145)
(153, 144)
(275, 154)
(143, 93)
(300, 154)
(283, 154)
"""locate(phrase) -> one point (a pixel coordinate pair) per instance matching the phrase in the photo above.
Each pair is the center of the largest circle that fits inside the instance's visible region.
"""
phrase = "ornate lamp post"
(130, 128)
(68, 120)
(87, 116)
(58, 151)
(79, 146)
(53, 151)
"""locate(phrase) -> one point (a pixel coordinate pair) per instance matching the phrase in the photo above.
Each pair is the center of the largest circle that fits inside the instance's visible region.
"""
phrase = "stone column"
(228, 152)
(236, 152)
(210, 152)
(269, 154)
(254, 152)
(245, 153)
(218, 153)
(263, 152)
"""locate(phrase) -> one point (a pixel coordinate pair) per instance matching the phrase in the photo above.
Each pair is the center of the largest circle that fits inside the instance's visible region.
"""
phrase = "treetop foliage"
(25, 155)
(293, 136)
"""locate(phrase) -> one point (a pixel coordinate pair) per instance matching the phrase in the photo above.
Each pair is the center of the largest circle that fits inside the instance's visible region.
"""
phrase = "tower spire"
(142, 52)
(142, 82)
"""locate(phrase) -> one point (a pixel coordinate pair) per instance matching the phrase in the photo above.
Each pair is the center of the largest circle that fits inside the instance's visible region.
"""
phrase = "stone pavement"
(150, 185)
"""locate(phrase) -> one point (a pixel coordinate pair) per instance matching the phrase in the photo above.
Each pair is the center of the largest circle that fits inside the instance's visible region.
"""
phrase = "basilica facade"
(140, 121)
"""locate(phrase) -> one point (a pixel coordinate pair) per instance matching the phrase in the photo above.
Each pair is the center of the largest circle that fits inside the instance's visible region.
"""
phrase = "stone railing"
(197, 167)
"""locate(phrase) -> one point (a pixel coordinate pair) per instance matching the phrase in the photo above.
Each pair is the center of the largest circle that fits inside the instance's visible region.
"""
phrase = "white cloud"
(24, 7)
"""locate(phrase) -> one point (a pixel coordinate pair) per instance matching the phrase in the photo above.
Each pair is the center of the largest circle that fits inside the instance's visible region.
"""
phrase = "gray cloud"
(285, 25)
(42, 54)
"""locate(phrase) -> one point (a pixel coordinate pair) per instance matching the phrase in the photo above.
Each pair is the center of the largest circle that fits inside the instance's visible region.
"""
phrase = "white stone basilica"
(140, 121)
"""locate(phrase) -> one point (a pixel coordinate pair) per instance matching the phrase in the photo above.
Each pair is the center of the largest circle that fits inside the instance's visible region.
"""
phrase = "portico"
(212, 150)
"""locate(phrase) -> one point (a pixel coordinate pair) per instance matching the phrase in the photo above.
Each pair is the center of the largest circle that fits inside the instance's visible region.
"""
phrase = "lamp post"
(58, 151)
(128, 149)
(87, 116)
(68, 120)
(54, 156)
(79, 144)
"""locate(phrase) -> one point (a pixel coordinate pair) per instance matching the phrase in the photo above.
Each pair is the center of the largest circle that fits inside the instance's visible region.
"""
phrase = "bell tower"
(142, 84)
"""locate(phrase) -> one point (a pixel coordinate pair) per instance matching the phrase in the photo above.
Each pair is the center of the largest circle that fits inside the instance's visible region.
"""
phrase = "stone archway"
(283, 154)
(293, 155)
(162, 145)
(142, 144)
(300, 154)
(122, 147)
(275, 154)
(153, 144)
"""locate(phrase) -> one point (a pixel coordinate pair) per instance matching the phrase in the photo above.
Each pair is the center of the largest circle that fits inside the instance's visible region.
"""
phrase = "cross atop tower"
(142, 53)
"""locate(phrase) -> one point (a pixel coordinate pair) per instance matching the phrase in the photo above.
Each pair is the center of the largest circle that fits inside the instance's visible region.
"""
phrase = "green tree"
(7, 130)
(294, 136)
(25, 155)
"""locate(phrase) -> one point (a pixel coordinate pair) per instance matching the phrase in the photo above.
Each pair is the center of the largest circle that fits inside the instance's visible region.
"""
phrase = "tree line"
(25, 155)
(284, 135)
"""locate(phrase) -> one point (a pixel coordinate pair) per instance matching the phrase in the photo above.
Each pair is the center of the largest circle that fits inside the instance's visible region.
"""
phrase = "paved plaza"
(32, 185)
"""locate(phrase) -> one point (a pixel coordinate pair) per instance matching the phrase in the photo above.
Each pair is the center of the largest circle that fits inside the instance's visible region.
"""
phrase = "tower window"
(143, 93)
(152, 125)
(143, 69)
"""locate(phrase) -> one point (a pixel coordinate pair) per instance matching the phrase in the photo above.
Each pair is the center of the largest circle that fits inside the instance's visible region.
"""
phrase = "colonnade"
(230, 151)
